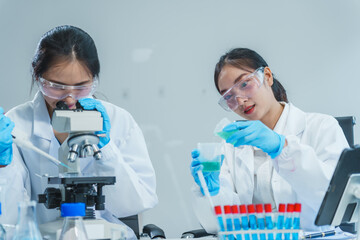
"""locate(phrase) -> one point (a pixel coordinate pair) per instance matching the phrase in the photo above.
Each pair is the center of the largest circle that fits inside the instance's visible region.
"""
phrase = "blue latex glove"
(255, 133)
(90, 104)
(6, 127)
(211, 178)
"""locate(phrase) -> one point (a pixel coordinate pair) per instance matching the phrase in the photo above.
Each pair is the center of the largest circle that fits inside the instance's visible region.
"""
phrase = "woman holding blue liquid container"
(280, 154)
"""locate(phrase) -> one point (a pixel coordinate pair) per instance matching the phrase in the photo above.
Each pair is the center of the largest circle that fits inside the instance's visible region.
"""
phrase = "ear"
(268, 77)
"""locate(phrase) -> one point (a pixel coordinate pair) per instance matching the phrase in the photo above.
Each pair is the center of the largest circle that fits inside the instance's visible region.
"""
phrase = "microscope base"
(95, 229)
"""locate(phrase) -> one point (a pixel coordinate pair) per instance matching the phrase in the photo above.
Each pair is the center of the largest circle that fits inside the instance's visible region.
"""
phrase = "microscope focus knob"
(51, 198)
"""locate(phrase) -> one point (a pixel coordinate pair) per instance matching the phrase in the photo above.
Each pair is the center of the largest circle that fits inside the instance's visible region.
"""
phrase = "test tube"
(219, 217)
(296, 223)
(289, 219)
(229, 222)
(268, 220)
(244, 220)
(280, 220)
(252, 220)
(260, 219)
(236, 217)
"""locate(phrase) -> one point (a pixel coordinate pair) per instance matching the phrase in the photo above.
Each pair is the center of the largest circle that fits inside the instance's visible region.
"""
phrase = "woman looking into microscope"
(66, 68)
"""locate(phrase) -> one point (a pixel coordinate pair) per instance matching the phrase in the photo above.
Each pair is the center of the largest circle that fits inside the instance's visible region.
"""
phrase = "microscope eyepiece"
(78, 106)
(61, 105)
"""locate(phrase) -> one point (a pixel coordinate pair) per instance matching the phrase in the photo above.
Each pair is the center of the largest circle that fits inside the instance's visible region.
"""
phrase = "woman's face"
(258, 105)
(70, 73)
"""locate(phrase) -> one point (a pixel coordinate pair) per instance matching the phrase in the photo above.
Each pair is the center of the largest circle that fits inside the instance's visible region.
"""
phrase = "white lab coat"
(125, 157)
(302, 171)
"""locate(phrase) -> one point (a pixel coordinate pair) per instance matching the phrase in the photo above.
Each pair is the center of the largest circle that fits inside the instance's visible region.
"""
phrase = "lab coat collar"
(42, 123)
(296, 121)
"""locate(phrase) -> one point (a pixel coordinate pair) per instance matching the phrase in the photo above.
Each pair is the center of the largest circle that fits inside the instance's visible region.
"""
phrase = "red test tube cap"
(297, 207)
(290, 208)
(242, 208)
(235, 209)
(227, 209)
(282, 207)
(259, 208)
(217, 210)
(268, 208)
(251, 208)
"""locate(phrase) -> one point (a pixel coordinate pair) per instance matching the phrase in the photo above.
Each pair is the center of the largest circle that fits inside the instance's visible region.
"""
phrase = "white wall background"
(157, 61)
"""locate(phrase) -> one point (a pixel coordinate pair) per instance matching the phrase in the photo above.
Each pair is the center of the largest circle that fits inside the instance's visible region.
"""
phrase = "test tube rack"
(250, 232)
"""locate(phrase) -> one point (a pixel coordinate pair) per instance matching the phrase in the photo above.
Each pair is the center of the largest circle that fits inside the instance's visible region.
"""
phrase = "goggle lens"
(244, 89)
(59, 91)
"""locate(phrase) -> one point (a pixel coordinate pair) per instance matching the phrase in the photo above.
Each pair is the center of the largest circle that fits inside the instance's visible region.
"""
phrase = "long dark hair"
(244, 58)
(65, 43)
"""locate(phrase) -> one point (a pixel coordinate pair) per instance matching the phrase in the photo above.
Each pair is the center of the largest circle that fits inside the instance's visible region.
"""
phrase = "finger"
(238, 135)
(87, 103)
(249, 139)
(90, 103)
(195, 163)
(195, 153)
(195, 169)
(4, 123)
(236, 126)
(6, 134)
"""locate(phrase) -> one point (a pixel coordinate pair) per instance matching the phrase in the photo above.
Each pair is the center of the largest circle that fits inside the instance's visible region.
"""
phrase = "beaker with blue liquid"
(210, 156)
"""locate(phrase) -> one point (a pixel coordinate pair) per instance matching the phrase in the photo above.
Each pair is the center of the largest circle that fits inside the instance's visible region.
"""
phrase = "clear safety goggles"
(246, 88)
(60, 91)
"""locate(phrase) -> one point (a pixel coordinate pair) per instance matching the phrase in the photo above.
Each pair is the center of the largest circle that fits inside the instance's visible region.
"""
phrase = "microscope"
(73, 185)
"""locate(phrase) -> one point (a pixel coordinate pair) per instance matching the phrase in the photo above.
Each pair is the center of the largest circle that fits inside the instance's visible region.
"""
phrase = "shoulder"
(320, 126)
(23, 116)
(115, 111)
(321, 120)
(119, 117)
(20, 110)
(311, 118)
(22, 113)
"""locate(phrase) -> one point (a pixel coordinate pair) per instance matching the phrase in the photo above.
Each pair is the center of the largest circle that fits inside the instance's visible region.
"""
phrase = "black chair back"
(133, 223)
(347, 124)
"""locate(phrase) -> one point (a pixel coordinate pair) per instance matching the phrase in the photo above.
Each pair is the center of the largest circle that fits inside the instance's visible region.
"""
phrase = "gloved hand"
(90, 104)
(211, 178)
(255, 133)
(6, 127)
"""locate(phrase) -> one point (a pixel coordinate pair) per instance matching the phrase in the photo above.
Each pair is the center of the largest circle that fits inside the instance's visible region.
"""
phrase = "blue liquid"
(288, 225)
(237, 227)
(296, 226)
(245, 226)
(222, 227)
(269, 225)
(252, 220)
(261, 224)
(226, 135)
(279, 225)
(211, 166)
(229, 227)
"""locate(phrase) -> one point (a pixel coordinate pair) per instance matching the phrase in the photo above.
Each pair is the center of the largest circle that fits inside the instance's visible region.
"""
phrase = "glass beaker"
(27, 227)
(210, 156)
(119, 234)
(73, 226)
